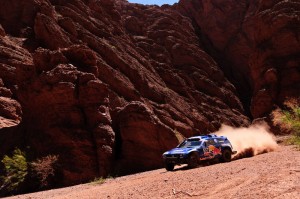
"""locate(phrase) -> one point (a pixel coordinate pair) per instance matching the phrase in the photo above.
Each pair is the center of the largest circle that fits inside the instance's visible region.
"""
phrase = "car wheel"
(169, 167)
(193, 160)
(226, 155)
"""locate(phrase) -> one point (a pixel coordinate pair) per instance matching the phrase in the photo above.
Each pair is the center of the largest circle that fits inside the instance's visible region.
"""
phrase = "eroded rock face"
(259, 40)
(96, 81)
(66, 110)
(16, 68)
(144, 138)
(10, 112)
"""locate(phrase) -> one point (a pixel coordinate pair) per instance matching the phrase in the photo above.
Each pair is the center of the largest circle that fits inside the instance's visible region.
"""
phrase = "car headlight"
(165, 154)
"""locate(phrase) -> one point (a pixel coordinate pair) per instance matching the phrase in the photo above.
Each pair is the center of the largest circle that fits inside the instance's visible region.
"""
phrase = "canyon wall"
(109, 86)
(257, 45)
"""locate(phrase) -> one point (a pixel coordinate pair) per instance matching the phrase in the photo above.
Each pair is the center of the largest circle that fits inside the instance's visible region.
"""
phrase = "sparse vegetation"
(16, 170)
(99, 180)
(289, 119)
(294, 140)
(44, 168)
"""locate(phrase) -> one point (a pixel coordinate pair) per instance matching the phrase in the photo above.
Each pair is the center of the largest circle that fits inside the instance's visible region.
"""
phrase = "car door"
(208, 148)
(204, 154)
(213, 147)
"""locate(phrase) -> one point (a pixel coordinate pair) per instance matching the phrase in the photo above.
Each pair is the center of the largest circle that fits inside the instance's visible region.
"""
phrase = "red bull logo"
(215, 150)
(211, 150)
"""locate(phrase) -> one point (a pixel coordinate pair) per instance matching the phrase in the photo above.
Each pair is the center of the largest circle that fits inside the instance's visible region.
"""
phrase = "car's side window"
(220, 140)
(210, 142)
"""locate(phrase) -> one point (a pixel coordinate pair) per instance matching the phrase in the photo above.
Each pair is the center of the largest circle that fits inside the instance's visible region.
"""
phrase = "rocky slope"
(108, 86)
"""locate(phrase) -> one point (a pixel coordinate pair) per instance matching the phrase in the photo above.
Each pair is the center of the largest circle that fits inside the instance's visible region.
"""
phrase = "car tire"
(226, 155)
(193, 160)
(169, 167)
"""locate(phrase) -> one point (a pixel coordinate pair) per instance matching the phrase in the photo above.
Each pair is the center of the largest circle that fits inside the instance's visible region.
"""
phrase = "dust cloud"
(249, 141)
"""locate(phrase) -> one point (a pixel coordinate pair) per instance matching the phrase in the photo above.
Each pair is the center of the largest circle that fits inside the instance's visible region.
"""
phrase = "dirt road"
(270, 175)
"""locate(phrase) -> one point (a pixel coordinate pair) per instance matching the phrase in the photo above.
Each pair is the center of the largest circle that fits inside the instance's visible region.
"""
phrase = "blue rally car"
(199, 148)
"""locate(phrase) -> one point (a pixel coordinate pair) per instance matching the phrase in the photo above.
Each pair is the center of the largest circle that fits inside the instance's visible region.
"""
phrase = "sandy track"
(271, 175)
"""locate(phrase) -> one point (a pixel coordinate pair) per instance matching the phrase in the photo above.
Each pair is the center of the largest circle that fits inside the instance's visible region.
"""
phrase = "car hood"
(180, 150)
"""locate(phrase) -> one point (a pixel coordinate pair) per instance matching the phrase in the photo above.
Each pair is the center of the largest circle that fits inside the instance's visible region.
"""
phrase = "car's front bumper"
(175, 159)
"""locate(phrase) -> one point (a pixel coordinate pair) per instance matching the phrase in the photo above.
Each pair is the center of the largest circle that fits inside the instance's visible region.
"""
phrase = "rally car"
(198, 149)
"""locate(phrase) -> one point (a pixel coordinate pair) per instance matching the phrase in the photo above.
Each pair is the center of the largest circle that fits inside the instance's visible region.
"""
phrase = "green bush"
(16, 169)
(289, 119)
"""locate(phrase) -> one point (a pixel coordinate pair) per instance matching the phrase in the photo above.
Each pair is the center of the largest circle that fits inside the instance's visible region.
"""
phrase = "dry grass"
(44, 168)
(98, 181)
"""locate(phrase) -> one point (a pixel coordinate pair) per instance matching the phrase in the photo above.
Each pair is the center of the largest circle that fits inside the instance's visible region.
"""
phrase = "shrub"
(44, 168)
(16, 169)
(289, 119)
(294, 140)
(97, 181)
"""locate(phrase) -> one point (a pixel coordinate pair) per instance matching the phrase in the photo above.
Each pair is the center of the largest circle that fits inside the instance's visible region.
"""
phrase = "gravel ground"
(270, 175)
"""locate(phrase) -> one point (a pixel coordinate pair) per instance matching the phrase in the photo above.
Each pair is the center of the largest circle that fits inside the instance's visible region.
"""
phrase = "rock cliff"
(108, 85)
(257, 45)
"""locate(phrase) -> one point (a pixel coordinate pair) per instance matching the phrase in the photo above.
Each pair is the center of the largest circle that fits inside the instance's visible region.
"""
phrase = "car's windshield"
(190, 143)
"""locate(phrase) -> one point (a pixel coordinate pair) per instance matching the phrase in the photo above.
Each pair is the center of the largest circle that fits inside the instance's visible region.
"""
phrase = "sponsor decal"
(211, 150)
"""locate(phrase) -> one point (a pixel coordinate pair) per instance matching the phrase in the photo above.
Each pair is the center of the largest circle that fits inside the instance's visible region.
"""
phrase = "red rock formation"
(260, 41)
(16, 67)
(95, 81)
(143, 136)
